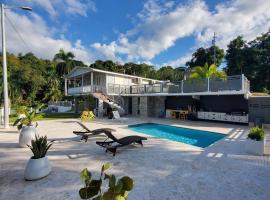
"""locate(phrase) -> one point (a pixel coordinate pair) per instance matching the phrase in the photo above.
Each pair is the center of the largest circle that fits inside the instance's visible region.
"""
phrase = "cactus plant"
(117, 189)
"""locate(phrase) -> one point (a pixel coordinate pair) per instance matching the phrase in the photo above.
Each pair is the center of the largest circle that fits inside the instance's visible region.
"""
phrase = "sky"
(156, 32)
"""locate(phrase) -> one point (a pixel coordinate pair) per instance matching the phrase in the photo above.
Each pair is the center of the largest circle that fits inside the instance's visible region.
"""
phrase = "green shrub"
(117, 189)
(40, 146)
(256, 133)
(21, 110)
(25, 121)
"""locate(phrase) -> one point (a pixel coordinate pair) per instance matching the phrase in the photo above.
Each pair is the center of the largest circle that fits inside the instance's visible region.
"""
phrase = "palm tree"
(53, 92)
(207, 72)
(65, 62)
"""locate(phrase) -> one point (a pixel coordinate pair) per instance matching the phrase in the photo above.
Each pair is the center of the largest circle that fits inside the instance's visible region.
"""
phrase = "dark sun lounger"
(86, 132)
(124, 141)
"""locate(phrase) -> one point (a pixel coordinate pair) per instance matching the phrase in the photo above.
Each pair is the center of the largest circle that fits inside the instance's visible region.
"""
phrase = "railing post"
(182, 86)
(243, 82)
(208, 84)
(144, 88)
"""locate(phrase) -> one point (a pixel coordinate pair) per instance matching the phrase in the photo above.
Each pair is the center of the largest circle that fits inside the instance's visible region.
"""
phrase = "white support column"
(208, 84)
(92, 81)
(106, 84)
(82, 83)
(243, 82)
(66, 87)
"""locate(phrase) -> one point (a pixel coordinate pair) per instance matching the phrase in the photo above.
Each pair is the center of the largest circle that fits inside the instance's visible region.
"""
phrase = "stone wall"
(134, 106)
(143, 106)
(156, 105)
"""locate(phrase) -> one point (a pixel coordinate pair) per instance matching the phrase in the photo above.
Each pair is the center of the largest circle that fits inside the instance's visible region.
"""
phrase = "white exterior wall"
(113, 79)
(145, 81)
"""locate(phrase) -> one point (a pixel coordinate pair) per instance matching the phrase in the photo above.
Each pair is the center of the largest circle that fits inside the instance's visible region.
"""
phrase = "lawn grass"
(49, 116)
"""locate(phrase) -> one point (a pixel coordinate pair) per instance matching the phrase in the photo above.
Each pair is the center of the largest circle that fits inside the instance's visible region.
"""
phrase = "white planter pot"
(254, 147)
(37, 169)
(27, 133)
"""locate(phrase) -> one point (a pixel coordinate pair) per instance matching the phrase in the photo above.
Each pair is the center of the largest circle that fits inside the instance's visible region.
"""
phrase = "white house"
(146, 97)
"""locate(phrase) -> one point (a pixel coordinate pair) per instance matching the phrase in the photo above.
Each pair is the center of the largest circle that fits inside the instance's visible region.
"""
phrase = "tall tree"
(235, 56)
(65, 62)
(169, 73)
(252, 59)
(202, 56)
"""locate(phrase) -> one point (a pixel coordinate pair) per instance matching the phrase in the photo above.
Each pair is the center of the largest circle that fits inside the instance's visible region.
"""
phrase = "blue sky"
(157, 32)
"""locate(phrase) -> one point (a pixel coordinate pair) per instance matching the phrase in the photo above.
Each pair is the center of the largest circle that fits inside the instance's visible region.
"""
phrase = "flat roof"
(89, 69)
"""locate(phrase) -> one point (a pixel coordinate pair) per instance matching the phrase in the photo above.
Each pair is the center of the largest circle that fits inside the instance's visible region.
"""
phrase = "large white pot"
(254, 147)
(37, 169)
(27, 133)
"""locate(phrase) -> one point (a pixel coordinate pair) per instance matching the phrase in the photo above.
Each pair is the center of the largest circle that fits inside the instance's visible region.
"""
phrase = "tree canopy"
(202, 56)
(252, 59)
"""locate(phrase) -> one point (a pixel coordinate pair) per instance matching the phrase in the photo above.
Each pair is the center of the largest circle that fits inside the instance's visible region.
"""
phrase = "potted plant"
(20, 111)
(26, 128)
(38, 166)
(255, 141)
(117, 189)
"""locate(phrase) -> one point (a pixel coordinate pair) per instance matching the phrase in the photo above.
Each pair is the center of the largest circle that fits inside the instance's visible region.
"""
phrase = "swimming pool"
(185, 135)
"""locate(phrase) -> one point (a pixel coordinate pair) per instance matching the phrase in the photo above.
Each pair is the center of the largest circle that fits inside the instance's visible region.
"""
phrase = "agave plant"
(39, 146)
(25, 121)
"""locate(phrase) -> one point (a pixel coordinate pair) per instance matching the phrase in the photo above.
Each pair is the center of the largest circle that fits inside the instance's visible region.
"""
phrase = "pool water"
(185, 135)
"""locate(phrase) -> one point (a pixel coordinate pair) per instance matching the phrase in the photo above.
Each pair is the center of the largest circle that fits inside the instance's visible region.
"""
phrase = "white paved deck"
(162, 169)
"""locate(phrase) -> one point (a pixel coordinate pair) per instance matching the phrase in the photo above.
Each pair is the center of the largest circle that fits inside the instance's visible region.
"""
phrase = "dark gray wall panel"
(259, 107)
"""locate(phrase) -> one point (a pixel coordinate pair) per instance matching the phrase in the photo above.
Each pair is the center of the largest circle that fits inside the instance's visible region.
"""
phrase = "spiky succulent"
(39, 146)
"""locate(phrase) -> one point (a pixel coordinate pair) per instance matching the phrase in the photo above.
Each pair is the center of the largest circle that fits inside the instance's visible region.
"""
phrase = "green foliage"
(40, 146)
(252, 59)
(256, 133)
(207, 72)
(117, 189)
(143, 70)
(21, 109)
(25, 121)
(202, 56)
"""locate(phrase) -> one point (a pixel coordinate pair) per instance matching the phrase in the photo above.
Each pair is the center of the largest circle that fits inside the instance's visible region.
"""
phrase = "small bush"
(256, 133)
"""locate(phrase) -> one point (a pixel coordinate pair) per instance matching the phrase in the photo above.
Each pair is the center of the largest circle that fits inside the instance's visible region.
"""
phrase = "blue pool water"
(185, 135)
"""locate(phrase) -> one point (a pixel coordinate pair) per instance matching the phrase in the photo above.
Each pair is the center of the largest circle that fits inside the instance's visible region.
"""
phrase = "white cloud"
(180, 62)
(238, 17)
(79, 7)
(55, 7)
(161, 25)
(39, 38)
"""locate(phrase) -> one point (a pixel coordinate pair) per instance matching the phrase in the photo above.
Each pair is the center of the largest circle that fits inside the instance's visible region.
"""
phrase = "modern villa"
(206, 99)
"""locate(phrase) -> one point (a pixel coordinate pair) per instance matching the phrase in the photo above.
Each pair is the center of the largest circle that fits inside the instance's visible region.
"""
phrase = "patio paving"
(162, 169)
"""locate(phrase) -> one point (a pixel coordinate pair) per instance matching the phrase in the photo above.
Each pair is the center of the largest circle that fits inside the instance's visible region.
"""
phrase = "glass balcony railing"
(209, 85)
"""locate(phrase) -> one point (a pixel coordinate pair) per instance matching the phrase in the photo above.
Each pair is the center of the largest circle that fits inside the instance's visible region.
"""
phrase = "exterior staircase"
(112, 103)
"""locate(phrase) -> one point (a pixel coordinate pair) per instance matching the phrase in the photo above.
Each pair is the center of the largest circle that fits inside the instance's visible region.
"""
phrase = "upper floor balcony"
(210, 86)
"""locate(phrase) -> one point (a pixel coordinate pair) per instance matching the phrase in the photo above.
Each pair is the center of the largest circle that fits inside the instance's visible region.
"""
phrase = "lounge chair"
(86, 132)
(116, 143)
(117, 117)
